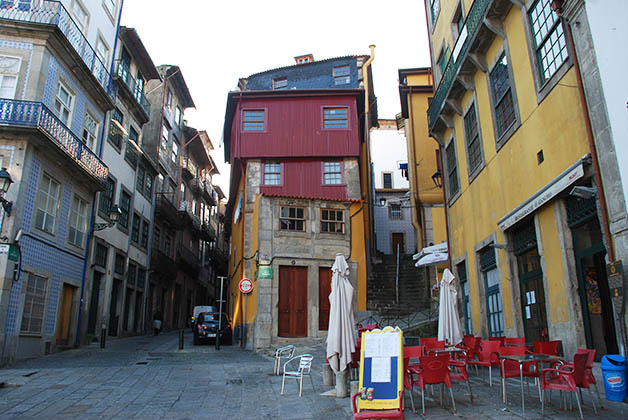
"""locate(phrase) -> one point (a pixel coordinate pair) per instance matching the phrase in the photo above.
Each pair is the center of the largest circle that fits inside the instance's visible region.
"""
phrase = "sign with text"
(246, 286)
(265, 272)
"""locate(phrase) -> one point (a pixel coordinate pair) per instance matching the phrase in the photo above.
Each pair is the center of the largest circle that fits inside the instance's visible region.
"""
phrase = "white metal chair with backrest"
(285, 352)
(292, 370)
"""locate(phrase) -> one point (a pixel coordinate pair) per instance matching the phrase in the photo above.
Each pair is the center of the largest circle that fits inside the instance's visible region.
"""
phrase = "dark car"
(206, 326)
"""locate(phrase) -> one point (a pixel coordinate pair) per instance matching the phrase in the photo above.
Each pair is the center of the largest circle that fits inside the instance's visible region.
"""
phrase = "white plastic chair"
(285, 352)
(304, 368)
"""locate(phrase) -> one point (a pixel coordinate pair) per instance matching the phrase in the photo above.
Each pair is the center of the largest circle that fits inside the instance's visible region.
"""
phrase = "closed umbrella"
(341, 331)
(448, 321)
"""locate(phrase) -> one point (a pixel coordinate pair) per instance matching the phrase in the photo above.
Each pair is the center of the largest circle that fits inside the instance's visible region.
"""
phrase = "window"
(117, 115)
(110, 6)
(135, 228)
(118, 266)
(157, 238)
(342, 75)
(77, 229)
(80, 16)
(335, 117)
(34, 304)
(177, 116)
(22, 5)
(125, 207)
(253, 120)
(452, 168)
(175, 152)
(100, 257)
(280, 83)
(133, 135)
(461, 268)
(63, 103)
(102, 51)
(435, 7)
(332, 221)
(47, 204)
(472, 135)
(9, 72)
(144, 237)
(169, 99)
(106, 197)
(495, 311)
(141, 277)
(332, 173)
(168, 245)
(130, 155)
(292, 218)
(90, 129)
(394, 211)
(141, 177)
(164, 137)
(443, 59)
(387, 180)
(549, 39)
(272, 173)
(502, 96)
(131, 275)
(148, 186)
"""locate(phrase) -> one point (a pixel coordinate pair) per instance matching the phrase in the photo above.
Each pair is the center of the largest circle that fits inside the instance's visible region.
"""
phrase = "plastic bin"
(614, 372)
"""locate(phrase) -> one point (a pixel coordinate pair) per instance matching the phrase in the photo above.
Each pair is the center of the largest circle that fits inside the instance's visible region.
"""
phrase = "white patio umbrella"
(341, 338)
(432, 259)
(448, 320)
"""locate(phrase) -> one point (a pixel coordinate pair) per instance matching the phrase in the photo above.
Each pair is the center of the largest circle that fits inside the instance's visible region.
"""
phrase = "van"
(197, 310)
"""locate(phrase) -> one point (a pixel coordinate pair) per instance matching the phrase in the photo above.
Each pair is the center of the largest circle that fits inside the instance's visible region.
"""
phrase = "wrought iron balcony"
(136, 91)
(210, 193)
(208, 232)
(472, 24)
(185, 207)
(36, 115)
(166, 210)
(187, 259)
(189, 169)
(48, 12)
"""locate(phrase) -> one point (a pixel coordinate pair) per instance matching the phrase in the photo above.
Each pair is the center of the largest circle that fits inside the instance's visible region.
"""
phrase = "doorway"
(113, 308)
(93, 303)
(398, 246)
(292, 307)
(324, 290)
(65, 315)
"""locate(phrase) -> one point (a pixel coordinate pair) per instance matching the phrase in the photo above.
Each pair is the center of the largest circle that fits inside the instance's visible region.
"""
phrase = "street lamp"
(114, 216)
(437, 179)
(5, 183)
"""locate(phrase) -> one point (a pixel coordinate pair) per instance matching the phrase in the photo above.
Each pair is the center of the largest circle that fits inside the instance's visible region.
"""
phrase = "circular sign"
(246, 285)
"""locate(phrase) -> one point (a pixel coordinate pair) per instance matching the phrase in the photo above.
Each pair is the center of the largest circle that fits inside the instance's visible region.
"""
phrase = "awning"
(432, 259)
(442, 247)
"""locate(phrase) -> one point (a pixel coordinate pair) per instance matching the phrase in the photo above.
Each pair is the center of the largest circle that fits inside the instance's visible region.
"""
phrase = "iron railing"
(37, 115)
(186, 208)
(48, 12)
(137, 90)
(472, 24)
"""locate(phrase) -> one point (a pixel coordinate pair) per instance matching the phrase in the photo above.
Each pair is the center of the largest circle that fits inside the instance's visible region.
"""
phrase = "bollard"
(354, 386)
(218, 339)
(181, 339)
(103, 337)
(328, 375)
(342, 385)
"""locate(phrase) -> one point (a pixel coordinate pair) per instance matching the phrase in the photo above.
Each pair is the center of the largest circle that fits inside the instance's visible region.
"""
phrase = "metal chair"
(292, 370)
(285, 352)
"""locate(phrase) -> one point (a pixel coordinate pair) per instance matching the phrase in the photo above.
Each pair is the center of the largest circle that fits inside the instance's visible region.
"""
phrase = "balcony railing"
(186, 208)
(37, 115)
(137, 90)
(210, 192)
(471, 25)
(49, 12)
(188, 258)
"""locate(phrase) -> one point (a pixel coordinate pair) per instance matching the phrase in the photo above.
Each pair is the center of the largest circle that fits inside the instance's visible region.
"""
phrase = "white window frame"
(9, 71)
(77, 224)
(178, 114)
(175, 151)
(36, 294)
(165, 134)
(89, 136)
(60, 105)
(331, 176)
(51, 205)
(81, 21)
(110, 6)
(102, 50)
(392, 184)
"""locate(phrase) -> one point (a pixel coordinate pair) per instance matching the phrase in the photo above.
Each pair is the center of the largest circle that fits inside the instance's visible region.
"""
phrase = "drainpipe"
(367, 134)
(243, 216)
(557, 5)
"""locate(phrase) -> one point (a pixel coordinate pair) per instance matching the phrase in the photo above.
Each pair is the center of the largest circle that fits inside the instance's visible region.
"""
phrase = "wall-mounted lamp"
(382, 202)
(437, 179)
(5, 183)
(114, 216)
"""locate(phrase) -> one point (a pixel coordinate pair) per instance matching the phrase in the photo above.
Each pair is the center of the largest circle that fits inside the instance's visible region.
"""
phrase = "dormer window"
(341, 75)
(280, 83)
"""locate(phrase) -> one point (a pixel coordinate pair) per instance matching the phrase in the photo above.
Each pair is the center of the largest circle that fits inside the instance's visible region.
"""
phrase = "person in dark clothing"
(157, 322)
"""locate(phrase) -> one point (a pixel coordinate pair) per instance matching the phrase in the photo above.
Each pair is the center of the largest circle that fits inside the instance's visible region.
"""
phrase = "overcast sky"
(215, 42)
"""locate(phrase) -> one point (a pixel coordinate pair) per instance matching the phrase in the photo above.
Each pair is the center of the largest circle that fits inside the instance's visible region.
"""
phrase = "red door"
(397, 243)
(292, 301)
(324, 289)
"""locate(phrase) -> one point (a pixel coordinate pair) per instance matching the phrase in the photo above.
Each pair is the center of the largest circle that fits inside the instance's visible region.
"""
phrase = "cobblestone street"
(150, 378)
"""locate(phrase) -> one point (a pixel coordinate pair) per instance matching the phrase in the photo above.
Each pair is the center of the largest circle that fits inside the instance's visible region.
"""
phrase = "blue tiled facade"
(21, 46)
(316, 75)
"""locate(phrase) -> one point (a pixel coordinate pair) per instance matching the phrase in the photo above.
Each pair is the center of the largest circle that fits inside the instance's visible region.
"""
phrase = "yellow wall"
(358, 250)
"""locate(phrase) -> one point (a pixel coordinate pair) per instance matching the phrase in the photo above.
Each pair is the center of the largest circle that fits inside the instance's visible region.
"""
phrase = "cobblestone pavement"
(150, 378)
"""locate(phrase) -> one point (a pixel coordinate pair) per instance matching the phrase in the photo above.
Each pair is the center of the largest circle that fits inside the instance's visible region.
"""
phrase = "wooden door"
(324, 290)
(292, 306)
(65, 315)
(397, 239)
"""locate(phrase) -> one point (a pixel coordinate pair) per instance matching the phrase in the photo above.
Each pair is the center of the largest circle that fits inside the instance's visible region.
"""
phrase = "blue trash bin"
(614, 372)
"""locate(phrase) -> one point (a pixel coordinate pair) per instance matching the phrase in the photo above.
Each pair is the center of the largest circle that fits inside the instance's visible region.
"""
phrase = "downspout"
(243, 216)
(367, 134)
(608, 242)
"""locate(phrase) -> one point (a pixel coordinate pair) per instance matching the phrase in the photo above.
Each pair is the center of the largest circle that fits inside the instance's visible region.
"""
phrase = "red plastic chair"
(515, 341)
(434, 370)
(567, 378)
(546, 347)
(411, 369)
(510, 368)
(431, 343)
(473, 350)
(488, 357)
(458, 372)
(498, 338)
(588, 372)
(377, 414)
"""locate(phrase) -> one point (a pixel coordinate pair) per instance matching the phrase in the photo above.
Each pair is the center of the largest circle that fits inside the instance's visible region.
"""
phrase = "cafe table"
(522, 360)
(451, 350)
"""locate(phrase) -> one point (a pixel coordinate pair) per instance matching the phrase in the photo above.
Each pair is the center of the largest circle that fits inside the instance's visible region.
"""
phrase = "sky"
(216, 42)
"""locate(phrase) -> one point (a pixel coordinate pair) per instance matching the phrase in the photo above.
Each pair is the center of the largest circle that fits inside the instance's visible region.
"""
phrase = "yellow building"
(424, 158)
(526, 238)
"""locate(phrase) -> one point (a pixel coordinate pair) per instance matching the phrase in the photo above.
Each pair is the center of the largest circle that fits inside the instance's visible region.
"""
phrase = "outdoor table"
(451, 350)
(528, 358)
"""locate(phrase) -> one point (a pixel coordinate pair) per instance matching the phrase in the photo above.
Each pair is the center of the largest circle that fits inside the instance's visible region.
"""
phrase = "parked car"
(197, 310)
(206, 326)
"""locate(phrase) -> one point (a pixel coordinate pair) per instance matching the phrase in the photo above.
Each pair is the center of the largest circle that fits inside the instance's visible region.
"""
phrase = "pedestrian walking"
(157, 322)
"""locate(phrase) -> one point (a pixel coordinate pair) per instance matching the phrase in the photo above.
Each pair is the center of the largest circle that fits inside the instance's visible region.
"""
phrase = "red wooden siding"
(304, 178)
(294, 128)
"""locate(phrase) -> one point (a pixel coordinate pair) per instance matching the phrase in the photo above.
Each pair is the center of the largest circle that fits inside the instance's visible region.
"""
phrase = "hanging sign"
(246, 286)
